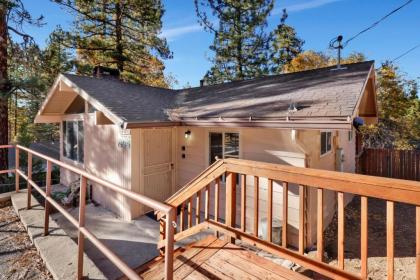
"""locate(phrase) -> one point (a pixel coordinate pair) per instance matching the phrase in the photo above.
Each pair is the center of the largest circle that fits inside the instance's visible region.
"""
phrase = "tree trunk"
(118, 33)
(4, 90)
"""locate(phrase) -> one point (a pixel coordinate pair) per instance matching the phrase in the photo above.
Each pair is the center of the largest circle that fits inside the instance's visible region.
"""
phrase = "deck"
(213, 258)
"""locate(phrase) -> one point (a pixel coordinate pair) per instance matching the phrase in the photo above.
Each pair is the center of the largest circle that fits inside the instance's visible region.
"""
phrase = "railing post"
(231, 201)
(28, 185)
(169, 244)
(48, 195)
(81, 237)
(162, 234)
(302, 229)
(17, 178)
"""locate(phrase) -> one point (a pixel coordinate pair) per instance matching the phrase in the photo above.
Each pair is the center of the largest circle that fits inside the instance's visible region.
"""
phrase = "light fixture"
(187, 134)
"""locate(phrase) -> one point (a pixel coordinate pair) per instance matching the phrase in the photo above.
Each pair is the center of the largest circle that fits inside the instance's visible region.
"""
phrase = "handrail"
(391, 190)
(167, 211)
(397, 190)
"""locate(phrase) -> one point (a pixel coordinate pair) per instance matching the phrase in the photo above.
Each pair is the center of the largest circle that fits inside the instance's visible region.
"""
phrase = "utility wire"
(405, 53)
(377, 22)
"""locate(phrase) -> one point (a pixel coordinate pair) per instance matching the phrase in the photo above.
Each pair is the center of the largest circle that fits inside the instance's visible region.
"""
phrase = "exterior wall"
(267, 145)
(105, 159)
(312, 142)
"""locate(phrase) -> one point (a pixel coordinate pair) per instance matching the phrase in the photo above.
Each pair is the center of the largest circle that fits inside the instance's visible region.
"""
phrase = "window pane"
(323, 143)
(66, 149)
(328, 141)
(80, 142)
(72, 138)
(231, 145)
(216, 146)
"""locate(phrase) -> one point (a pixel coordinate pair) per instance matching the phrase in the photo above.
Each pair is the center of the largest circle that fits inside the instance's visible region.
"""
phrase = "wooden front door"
(158, 168)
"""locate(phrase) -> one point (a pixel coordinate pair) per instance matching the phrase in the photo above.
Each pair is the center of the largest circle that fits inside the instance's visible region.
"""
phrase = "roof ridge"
(118, 81)
(230, 82)
(281, 75)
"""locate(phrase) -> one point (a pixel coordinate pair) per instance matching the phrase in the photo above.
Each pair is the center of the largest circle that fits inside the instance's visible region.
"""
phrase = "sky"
(316, 21)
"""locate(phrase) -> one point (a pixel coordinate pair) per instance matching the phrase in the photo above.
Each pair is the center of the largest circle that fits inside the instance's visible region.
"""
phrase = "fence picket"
(399, 164)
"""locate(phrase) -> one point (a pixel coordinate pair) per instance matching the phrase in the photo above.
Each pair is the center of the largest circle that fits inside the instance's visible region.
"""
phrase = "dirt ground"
(405, 230)
(18, 257)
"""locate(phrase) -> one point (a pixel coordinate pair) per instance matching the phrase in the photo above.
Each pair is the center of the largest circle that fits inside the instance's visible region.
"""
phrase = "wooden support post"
(256, 204)
(231, 201)
(207, 203)
(270, 211)
(17, 177)
(301, 219)
(190, 214)
(81, 237)
(198, 208)
(48, 194)
(162, 228)
(216, 199)
(182, 218)
(390, 239)
(169, 245)
(341, 221)
(320, 225)
(28, 185)
(243, 202)
(364, 237)
(418, 242)
(285, 214)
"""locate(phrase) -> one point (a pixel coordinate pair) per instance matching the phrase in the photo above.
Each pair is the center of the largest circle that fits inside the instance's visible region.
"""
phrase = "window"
(325, 142)
(73, 140)
(223, 145)
(350, 135)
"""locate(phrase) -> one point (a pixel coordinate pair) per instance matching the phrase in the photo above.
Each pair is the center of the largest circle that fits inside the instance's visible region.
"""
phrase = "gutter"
(343, 124)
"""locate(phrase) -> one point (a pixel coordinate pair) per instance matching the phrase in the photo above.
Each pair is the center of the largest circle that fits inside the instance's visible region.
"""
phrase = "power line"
(377, 22)
(405, 53)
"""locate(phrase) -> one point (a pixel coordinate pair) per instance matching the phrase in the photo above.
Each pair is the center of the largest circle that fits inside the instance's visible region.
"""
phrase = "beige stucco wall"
(312, 141)
(123, 167)
(105, 159)
(266, 145)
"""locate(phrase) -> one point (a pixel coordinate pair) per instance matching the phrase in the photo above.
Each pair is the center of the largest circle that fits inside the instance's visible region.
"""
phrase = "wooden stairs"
(213, 258)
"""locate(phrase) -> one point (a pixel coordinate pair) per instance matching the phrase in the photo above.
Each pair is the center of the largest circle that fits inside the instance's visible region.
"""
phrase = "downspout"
(294, 136)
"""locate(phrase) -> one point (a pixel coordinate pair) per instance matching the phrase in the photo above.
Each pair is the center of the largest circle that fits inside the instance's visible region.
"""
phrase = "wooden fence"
(400, 164)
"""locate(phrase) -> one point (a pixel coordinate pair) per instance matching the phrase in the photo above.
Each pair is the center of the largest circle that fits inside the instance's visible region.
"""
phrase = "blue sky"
(316, 21)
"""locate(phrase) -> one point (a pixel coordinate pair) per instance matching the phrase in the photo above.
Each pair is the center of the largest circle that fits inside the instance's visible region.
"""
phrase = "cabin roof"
(324, 93)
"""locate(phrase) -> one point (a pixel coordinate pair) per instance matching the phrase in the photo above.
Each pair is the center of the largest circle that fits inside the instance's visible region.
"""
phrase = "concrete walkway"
(134, 242)
(57, 250)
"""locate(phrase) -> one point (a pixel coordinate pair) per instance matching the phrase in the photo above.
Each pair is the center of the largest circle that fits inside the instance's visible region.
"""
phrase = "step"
(58, 250)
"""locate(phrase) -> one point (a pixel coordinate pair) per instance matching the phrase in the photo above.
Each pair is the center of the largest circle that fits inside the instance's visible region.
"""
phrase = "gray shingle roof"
(130, 102)
(323, 93)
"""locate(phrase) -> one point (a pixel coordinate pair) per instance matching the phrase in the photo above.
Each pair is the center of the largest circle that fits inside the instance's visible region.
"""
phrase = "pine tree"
(285, 45)
(56, 58)
(399, 111)
(120, 34)
(240, 43)
(309, 60)
(13, 17)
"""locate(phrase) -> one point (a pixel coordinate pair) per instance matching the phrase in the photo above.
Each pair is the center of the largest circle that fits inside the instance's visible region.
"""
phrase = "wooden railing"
(83, 232)
(190, 222)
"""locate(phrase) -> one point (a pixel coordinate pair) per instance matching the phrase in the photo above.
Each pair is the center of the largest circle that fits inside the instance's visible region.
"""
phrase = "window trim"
(72, 118)
(222, 131)
(320, 141)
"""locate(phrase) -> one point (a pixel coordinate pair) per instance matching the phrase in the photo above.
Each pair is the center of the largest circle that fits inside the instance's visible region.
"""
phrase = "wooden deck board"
(212, 258)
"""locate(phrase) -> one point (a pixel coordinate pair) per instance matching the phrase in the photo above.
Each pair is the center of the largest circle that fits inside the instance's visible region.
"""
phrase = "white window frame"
(73, 118)
(320, 141)
(223, 132)
(350, 135)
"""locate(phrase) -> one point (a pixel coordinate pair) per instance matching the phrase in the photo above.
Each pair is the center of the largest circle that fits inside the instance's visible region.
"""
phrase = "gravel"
(18, 257)
(405, 236)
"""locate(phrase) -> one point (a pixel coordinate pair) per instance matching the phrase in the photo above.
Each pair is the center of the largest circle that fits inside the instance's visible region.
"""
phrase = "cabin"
(154, 141)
